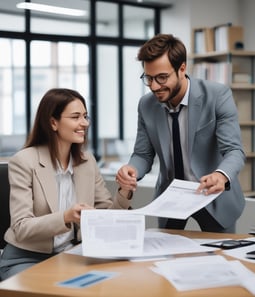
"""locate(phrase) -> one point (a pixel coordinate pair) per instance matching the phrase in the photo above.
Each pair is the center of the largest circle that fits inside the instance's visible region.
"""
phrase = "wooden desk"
(135, 278)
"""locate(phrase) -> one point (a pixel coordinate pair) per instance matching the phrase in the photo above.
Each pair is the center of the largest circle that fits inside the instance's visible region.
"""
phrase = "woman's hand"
(73, 214)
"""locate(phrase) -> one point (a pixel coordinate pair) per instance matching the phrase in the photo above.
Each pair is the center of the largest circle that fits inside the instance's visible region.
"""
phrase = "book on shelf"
(239, 77)
(202, 40)
(218, 72)
(224, 37)
(228, 37)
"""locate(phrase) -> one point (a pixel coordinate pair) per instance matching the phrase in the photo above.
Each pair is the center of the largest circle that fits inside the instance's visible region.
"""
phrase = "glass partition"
(45, 50)
(138, 22)
(49, 23)
(12, 95)
(107, 19)
(11, 18)
(60, 64)
(108, 88)
(133, 89)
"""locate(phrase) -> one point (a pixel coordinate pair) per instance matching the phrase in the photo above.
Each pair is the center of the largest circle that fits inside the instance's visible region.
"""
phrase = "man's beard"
(172, 93)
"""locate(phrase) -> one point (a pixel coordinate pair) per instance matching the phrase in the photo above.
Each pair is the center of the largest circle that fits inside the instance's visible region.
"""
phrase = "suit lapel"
(47, 178)
(194, 110)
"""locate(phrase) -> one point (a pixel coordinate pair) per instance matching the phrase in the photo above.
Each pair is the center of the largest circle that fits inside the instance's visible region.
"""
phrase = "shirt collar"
(69, 168)
(185, 99)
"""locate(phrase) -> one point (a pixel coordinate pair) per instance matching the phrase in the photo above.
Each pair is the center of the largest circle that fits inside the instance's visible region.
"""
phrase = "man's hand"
(126, 178)
(212, 183)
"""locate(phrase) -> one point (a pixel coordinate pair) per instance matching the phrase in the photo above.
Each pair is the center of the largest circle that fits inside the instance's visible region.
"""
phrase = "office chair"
(4, 202)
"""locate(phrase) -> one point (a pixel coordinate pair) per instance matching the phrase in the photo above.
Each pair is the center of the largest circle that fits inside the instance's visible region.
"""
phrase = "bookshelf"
(235, 68)
(223, 37)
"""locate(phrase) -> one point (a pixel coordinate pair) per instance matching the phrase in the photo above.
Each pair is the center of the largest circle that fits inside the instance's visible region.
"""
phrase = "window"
(61, 64)
(138, 22)
(46, 23)
(133, 89)
(12, 95)
(108, 107)
(94, 53)
(11, 19)
(107, 19)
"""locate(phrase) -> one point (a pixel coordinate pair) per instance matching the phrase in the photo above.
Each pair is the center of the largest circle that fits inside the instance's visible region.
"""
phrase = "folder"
(202, 40)
(228, 37)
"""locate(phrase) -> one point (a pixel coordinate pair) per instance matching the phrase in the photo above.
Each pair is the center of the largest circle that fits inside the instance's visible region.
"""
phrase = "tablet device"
(229, 243)
(250, 255)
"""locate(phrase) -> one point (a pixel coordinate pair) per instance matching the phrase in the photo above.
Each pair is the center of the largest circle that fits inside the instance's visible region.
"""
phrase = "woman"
(52, 179)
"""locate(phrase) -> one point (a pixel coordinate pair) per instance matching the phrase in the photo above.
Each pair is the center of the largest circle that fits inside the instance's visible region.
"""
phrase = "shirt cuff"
(227, 184)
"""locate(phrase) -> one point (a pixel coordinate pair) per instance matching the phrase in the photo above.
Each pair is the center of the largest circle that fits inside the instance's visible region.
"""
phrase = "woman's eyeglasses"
(77, 117)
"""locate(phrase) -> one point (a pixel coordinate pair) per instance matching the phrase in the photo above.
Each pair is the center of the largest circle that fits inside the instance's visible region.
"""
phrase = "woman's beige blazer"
(35, 218)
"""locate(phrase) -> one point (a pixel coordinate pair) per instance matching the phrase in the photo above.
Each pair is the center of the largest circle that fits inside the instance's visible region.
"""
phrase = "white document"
(159, 244)
(121, 234)
(112, 233)
(164, 244)
(193, 273)
(178, 201)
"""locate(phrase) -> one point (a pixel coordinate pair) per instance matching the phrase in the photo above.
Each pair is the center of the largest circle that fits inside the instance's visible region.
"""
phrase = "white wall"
(176, 21)
(188, 14)
(247, 9)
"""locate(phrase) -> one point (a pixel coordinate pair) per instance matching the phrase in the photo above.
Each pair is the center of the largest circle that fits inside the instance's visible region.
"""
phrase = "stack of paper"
(112, 233)
(120, 234)
(193, 273)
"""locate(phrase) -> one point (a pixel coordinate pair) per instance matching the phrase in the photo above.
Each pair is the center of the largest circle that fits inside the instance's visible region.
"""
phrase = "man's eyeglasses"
(160, 78)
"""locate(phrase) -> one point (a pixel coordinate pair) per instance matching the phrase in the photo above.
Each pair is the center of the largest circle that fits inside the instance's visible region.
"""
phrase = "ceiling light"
(51, 9)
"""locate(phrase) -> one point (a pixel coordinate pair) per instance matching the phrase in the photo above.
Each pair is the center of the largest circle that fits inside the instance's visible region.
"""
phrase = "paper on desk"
(112, 233)
(178, 201)
(121, 234)
(203, 272)
(158, 244)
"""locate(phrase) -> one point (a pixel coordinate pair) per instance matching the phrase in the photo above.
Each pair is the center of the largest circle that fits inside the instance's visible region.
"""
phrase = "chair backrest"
(4, 202)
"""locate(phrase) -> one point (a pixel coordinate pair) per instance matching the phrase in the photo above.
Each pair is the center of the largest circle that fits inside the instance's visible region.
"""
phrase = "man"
(211, 149)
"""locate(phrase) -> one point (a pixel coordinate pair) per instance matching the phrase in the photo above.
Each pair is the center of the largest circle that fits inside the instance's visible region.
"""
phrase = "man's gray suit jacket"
(214, 142)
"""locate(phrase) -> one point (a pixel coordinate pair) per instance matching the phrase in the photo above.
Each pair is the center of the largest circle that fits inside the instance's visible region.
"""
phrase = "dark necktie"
(178, 161)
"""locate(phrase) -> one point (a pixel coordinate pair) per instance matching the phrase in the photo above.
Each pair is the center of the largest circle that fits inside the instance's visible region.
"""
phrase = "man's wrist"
(227, 183)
